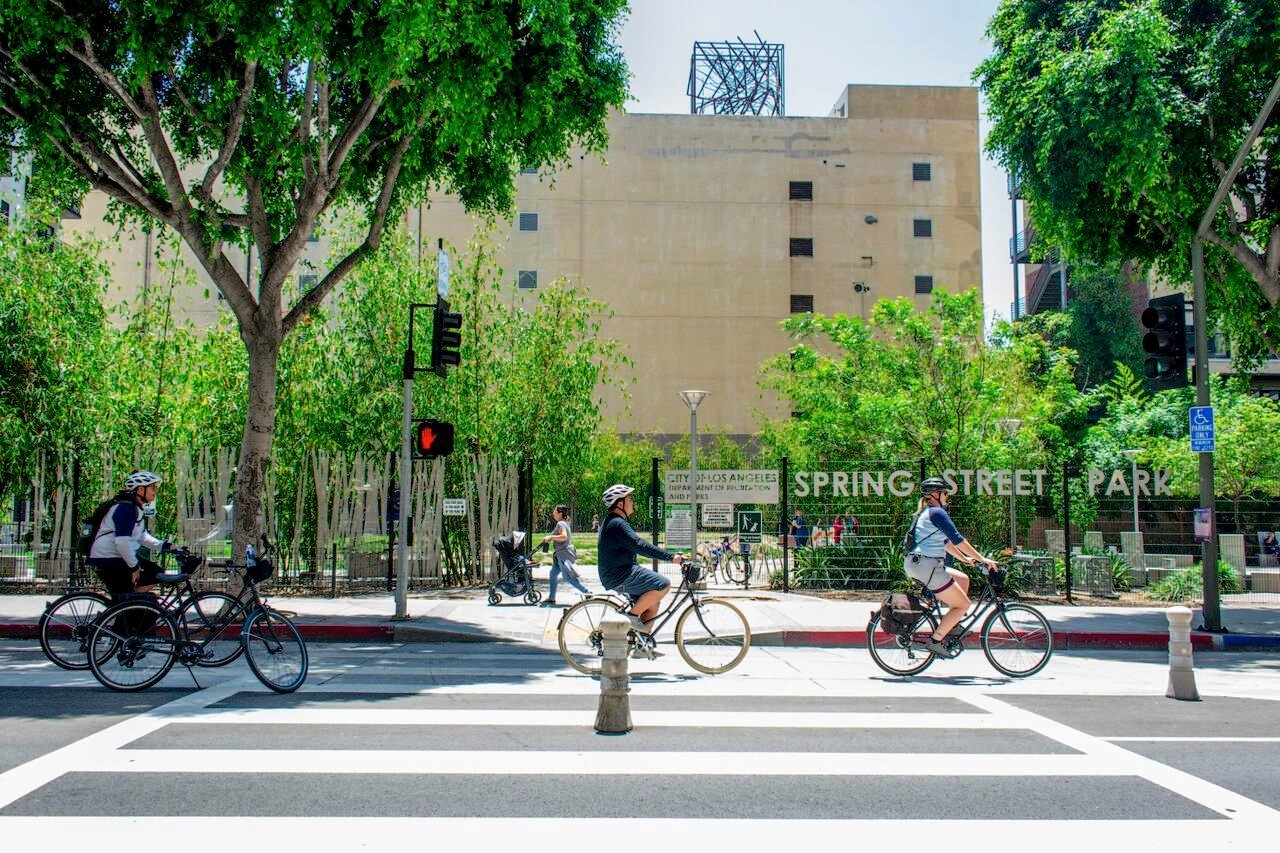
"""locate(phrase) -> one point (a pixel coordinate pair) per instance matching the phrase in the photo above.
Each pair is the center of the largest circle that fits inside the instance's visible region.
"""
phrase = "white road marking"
(1191, 739)
(511, 762)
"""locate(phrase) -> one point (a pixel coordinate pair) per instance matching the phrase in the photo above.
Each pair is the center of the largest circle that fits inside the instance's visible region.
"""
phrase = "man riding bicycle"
(122, 531)
(619, 546)
(935, 537)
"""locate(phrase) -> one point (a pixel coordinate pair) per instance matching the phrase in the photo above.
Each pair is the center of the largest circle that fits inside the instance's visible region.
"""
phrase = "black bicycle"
(68, 621)
(711, 633)
(1015, 637)
(134, 644)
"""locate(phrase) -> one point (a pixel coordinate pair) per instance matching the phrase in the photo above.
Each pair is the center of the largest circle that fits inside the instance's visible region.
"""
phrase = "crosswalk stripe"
(507, 763)
(571, 718)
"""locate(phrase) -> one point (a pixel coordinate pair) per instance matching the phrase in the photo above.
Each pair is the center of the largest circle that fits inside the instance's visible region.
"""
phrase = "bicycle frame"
(684, 593)
(988, 599)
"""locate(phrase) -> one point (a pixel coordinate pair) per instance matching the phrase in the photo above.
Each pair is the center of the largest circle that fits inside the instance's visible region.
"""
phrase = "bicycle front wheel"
(132, 646)
(276, 652)
(65, 627)
(713, 636)
(735, 569)
(1017, 640)
(215, 620)
(580, 636)
(901, 654)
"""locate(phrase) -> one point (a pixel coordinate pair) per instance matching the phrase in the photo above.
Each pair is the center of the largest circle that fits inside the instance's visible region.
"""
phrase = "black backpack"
(89, 527)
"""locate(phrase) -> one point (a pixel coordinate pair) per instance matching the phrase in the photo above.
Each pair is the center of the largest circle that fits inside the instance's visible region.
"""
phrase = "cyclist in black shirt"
(619, 545)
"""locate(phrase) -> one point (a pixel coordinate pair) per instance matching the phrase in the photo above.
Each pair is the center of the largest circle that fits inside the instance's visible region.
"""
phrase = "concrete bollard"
(614, 714)
(1182, 677)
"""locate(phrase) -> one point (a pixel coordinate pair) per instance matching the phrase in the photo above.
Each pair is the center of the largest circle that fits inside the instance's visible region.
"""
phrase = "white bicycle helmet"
(139, 479)
(615, 493)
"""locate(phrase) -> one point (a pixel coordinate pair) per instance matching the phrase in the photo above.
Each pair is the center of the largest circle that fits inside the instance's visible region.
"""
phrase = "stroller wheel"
(494, 598)
(532, 597)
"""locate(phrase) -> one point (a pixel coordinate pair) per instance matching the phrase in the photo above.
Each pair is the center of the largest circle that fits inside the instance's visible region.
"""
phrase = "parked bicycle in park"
(68, 620)
(711, 634)
(133, 645)
(1015, 637)
(729, 559)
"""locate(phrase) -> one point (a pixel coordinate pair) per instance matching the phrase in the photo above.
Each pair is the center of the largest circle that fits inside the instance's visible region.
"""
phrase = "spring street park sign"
(979, 481)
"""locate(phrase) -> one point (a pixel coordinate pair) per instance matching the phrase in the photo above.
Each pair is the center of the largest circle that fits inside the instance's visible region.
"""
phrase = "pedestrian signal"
(433, 439)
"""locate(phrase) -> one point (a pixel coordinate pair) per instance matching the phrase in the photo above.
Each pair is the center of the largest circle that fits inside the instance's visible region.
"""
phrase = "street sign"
(442, 278)
(717, 515)
(1202, 429)
(749, 526)
(678, 531)
(455, 506)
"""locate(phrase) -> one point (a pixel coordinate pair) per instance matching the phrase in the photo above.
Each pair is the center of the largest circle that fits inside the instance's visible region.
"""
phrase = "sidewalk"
(776, 619)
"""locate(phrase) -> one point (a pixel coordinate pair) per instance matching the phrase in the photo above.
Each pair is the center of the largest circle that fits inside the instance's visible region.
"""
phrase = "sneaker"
(639, 624)
(938, 647)
(550, 602)
(646, 653)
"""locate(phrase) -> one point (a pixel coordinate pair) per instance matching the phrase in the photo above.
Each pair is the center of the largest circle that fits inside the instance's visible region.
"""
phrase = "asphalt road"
(385, 745)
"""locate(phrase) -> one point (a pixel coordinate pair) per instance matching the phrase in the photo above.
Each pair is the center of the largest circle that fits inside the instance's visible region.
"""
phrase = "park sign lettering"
(967, 481)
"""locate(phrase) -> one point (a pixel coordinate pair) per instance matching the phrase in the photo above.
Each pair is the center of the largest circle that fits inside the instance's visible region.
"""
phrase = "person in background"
(564, 556)
(837, 530)
(799, 530)
(1270, 546)
(595, 523)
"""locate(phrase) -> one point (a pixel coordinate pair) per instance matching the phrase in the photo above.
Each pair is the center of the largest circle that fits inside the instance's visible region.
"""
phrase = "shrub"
(1188, 584)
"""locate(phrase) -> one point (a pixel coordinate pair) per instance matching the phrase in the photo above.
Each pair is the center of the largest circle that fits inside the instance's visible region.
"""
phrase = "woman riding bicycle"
(619, 545)
(935, 537)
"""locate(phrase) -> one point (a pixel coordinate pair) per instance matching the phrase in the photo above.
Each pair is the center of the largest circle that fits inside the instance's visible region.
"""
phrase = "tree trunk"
(259, 430)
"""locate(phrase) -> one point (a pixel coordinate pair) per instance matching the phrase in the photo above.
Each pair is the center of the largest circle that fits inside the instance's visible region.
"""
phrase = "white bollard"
(1182, 677)
(614, 713)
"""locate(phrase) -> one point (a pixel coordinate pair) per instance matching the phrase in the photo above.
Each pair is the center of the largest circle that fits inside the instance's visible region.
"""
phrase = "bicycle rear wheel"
(276, 652)
(215, 620)
(132, 646)
(65, 627)
(579, 635)
(713, 636)
(1017, 640)
(901, 654)
(735, 569)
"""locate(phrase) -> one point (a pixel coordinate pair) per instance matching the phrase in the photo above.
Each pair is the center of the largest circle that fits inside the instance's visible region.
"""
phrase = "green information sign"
(749, 525)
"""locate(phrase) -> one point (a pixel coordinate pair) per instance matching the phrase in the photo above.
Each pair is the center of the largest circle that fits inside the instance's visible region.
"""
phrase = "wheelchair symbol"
(1200, 418)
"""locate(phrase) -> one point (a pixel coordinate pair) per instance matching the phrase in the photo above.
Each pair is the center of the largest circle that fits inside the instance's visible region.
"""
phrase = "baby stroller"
(517, 577)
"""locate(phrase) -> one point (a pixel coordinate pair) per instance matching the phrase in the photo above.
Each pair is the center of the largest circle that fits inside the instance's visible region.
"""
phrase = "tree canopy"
(1120, 117)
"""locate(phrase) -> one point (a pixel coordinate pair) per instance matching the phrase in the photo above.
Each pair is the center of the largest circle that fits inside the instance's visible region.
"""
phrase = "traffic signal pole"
(406, 481)
(1212, 604)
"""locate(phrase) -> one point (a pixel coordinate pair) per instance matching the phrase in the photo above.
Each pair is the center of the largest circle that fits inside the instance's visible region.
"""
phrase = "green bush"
(1188, 584)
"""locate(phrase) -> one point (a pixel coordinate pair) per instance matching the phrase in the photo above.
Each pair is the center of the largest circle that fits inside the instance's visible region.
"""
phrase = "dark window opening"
(528, 222)
(527, 279)
(307, 283)
(801, 191)
(924, 284)
(529, 170)
(801, 303)
(802, 247)
(921, 171)
(922, 228)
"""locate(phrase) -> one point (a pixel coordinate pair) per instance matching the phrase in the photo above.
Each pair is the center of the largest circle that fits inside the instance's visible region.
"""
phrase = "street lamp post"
(693, 399)
(1133, 460)
(1010, 426)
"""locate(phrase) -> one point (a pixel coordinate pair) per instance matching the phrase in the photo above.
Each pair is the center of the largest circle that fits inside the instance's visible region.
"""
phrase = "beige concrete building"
(703, 232)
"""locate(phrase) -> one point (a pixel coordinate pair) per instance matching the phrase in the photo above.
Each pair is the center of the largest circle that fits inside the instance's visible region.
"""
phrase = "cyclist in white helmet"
(122, 531)
(619, 545)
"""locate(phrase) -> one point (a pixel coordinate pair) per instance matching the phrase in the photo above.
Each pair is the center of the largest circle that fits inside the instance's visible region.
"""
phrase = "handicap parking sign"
(1202, 429)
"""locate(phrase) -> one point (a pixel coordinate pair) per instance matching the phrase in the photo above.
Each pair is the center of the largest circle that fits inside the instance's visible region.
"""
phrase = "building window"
(528, 222)
(924, 284)
(315, 236)
(307, 283)
(922, 228)
(528, 170)
(4, 210)
(527, 280)
(801, 303)
(921, 171)
(802, 247)
(801, 191)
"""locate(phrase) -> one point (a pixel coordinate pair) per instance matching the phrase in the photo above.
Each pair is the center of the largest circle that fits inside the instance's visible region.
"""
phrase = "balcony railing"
(1020, 246)
(1015, 186)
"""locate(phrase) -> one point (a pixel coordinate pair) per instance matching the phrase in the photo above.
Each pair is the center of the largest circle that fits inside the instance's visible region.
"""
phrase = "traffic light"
(432, 438)
(1166, 341)
(445, 338)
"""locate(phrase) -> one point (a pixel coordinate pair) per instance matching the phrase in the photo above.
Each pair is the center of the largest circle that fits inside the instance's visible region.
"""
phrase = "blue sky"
(829, 44)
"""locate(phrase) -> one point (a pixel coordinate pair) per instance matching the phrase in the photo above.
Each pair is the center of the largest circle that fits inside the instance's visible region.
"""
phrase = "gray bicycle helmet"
(139, 479)
(935, 484)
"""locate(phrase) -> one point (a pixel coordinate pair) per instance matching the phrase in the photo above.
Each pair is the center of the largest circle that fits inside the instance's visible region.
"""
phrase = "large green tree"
(242, 123)
(1120, 118)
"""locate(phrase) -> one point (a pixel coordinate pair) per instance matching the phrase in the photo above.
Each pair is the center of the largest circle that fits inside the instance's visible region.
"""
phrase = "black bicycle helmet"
(935, 484)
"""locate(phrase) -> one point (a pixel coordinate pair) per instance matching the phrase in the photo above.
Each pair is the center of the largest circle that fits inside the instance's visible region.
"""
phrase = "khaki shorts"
(930, 571)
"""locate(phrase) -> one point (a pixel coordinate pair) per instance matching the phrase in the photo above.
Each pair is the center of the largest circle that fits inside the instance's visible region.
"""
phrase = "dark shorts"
(117, 577)
(641, 581)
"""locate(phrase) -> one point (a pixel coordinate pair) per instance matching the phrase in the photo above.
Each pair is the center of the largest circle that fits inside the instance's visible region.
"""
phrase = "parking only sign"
(1202, 429)
(749, 524)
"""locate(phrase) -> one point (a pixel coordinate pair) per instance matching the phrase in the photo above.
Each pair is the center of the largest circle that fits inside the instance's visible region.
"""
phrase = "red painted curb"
(343, 633)
(19, 630)
(1061, 640)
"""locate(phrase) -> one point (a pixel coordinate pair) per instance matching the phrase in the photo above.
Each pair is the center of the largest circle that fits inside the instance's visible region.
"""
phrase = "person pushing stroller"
(619, 545)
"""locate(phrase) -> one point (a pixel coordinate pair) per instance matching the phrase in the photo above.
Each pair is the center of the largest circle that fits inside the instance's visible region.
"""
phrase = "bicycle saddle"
(172, 577)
